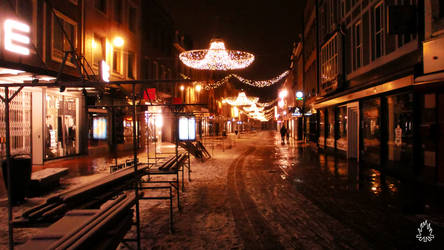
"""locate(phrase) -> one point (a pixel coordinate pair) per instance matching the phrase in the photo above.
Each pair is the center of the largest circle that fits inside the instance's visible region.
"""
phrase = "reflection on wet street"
(373, 209)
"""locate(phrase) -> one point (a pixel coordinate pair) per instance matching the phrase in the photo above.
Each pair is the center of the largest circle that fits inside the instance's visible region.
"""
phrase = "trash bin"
(21, 167)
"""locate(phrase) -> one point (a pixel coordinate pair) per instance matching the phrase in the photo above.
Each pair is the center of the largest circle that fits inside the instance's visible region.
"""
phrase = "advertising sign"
(99, 128)
(187, 128)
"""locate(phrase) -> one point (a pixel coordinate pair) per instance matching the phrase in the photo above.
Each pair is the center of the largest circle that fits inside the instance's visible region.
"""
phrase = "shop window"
(371, 131)
(61, 133)
(400, 129)
(131, 65)
(341, 139)
(330, 128)
(100, 5)
(321, 140)
(428, 129)
(98, 46)
(61, 43)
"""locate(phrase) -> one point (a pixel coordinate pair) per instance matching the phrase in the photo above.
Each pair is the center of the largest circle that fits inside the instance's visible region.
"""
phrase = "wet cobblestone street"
(255, 193)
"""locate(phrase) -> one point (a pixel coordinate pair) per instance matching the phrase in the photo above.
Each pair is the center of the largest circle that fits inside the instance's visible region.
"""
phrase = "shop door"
(353, 131)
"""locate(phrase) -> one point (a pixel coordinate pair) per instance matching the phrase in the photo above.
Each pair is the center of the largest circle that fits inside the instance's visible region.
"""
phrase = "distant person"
(283, 133)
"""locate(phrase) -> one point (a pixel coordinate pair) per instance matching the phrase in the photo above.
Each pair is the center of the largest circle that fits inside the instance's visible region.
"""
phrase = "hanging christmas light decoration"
(241, 100)
(216, 58)
(214, 85)
(253, 108)
(265, 104)
(264, 83)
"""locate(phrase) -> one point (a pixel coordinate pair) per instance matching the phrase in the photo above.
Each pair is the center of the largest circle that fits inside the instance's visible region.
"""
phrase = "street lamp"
(283, 94)
(198, 88)
(118, 41)
(182, 88)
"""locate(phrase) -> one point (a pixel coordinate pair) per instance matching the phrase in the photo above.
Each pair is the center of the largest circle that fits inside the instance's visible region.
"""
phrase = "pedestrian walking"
(283, 133)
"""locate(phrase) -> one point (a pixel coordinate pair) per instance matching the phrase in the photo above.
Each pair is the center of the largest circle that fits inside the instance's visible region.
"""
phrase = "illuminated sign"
(99, 128)
(14, 41)
(187, 128)
(104, 71)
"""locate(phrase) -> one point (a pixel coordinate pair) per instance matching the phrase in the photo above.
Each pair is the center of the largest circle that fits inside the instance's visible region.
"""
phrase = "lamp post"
(302, 109)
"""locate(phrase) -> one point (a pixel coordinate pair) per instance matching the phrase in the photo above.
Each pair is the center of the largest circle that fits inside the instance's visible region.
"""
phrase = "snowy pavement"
(263, 195)
(255, 193)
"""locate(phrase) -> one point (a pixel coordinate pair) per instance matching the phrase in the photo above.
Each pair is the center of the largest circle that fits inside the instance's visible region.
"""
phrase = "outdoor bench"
(45, 179)
(102, 228)
(172, 166)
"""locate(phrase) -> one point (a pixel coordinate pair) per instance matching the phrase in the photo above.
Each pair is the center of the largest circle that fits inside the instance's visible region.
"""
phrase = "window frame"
(65, 19)
(133, 68)
(103, 45)
(120, 62)
(104, 11)
(357, 45)
(380, 32)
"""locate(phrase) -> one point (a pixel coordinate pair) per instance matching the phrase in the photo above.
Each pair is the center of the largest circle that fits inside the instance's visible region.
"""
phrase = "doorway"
(353, 130)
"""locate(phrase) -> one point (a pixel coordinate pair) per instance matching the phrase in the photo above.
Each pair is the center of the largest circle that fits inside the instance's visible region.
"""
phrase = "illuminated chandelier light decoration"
(264, 83)
(216, 58)
(241, 100)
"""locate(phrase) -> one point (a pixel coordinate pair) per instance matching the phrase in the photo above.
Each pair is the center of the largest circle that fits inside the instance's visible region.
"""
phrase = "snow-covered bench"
(45, 179)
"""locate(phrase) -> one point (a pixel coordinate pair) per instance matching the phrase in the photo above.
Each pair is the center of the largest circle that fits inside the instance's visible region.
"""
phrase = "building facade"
(379, 95)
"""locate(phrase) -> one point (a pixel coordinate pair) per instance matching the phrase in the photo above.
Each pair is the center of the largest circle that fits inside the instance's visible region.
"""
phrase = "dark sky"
(265, 28)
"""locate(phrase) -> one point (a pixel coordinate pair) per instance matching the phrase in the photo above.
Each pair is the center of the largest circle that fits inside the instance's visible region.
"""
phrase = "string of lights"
(217, 84)
(263, 83)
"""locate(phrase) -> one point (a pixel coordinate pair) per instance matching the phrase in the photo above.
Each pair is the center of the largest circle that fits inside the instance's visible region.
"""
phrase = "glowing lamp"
(283, 94)
(118, 42)
(182, 88)
(16, 42)
(299, 95)
(198, 88)
(281, 103)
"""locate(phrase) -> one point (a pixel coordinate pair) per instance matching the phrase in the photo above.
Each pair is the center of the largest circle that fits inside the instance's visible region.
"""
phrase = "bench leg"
(178, 192)
(183, 172)
(171, 210)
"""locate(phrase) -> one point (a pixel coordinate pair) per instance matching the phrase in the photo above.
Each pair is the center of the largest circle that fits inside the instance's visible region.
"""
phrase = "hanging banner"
(149, 94)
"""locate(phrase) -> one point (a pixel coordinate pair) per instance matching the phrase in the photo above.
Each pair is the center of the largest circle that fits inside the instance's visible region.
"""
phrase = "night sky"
(265, 28)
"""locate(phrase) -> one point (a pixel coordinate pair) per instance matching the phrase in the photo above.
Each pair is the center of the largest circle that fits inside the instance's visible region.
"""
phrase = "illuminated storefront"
(61, 125)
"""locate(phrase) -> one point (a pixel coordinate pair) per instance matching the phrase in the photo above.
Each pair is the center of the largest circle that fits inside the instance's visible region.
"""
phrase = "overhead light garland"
(216, 58)
(264, 83)
(258, 84)
(217, 84)
(241, 100)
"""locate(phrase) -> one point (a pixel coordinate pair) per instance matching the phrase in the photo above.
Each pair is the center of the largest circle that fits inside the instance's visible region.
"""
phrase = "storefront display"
(330, 132)
(321, 140)
(371, 131)
(61, 133)
(400, 129)
(341, 138)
